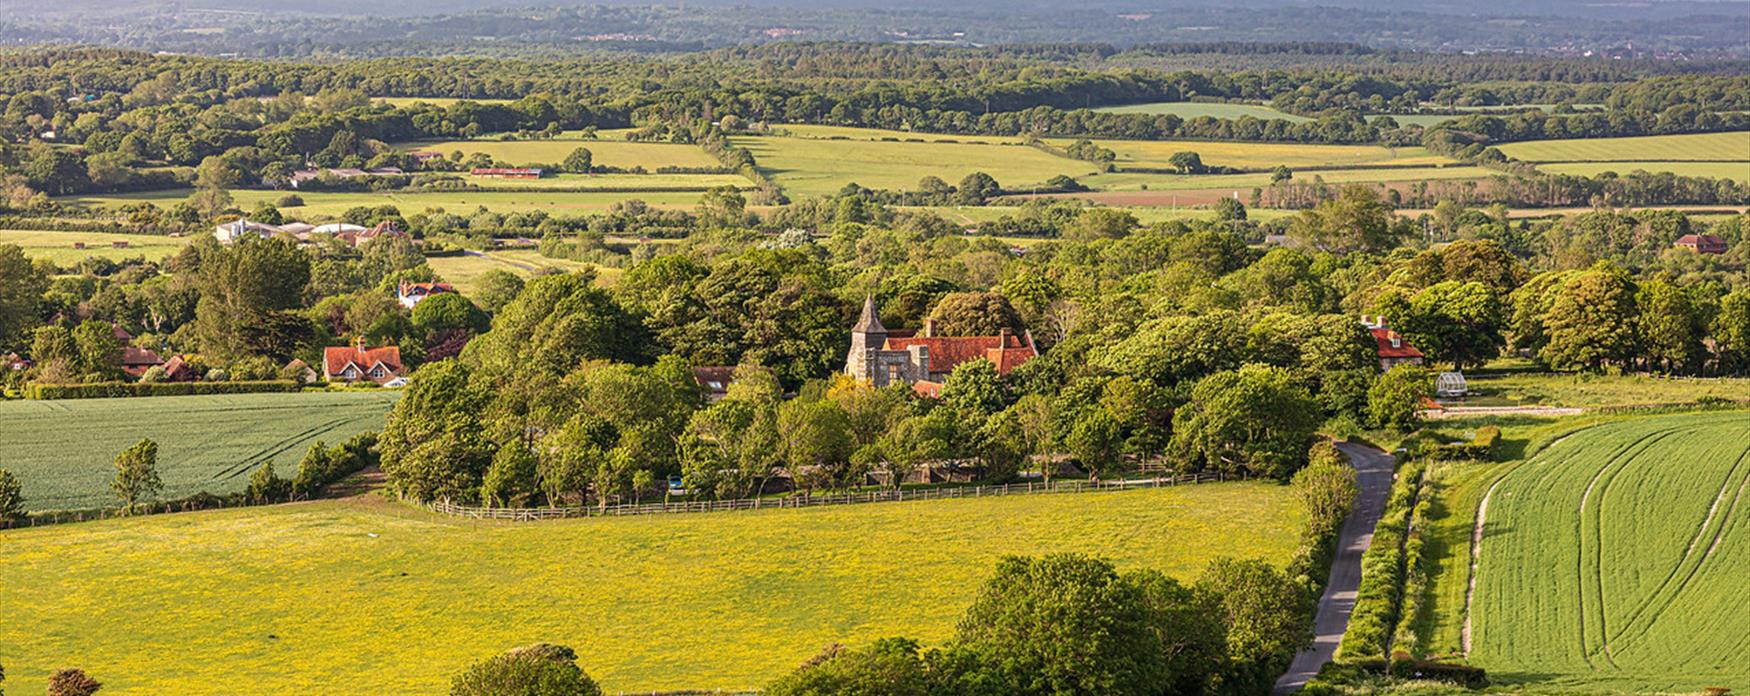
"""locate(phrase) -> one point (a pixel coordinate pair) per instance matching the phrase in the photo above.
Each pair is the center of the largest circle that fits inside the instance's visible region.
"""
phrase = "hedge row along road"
(1618, 559)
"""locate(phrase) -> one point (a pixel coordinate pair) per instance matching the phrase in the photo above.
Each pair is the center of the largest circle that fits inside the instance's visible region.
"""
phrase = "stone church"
(922, 359)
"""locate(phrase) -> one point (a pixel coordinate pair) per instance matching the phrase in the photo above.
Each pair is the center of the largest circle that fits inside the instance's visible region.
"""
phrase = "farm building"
(411, 294)
(305, 176)
(1701, 243)
(357, 363)
(1393, 350)
(923, 360)
(507, 172)
(230, 232)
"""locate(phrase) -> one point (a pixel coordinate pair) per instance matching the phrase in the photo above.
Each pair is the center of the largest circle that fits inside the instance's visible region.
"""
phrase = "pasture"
(1136, 181)
(1615, 560)
(326, 205)
(616, 182)
(816, 167)
(63, 451)
(1190, 110)
(1739, 171)
(465, 270)
(365, 596)
(1155, 154)
(1698, 147)
(58, 246)
(803, 130)
(607, 153)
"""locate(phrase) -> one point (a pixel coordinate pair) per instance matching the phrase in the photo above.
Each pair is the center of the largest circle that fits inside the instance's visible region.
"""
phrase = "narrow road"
(1373, 470)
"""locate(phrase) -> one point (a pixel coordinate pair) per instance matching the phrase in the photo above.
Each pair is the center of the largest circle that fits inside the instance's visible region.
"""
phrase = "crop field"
(320, 205)
(1131, 181)
(63, 452)
(1155, 154)
(1190, 110)
(1616, 560)
(58, 246)
(814, 167)
(803, 130)
(607, 153)
(1715, 170)
(365, 596)
(464, 271)
(616, 182)
(1699, 147)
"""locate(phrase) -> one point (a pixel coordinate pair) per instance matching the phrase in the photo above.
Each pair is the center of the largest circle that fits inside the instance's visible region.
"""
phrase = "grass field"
(58, 246)
(813, 167)
(617, 182)
(364, 596)
(1716, 170)
(803, 130)
(1190, 110)
(1616, 560)
(1699, 147)
(464, 271)
(607, 153)
(63, 451)
(1155, 154)
(1590, 391)
(324, 204)
(1129, 181)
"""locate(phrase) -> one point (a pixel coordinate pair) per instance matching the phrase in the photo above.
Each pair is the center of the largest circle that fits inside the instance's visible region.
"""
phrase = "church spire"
(870, 323)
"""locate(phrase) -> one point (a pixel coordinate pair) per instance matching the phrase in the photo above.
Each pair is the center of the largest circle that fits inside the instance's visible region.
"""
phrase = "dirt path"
(1374, 474)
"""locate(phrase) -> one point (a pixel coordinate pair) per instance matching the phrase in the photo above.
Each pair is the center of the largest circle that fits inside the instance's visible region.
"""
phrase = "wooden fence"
(795, 501)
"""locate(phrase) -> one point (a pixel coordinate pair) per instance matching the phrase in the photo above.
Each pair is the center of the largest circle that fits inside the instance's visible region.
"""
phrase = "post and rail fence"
(445, 507)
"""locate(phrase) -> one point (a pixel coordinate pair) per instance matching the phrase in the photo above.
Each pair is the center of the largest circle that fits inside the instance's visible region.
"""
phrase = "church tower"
(867, 337)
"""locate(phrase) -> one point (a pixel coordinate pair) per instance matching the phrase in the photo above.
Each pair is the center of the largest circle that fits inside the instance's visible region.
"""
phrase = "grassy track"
(1189, 110)
(607, 153)
(63, 451)
(1616, 559)
(813, 167)
(1156, 153)
(58, 246)
(1703, 147)
(363, 596)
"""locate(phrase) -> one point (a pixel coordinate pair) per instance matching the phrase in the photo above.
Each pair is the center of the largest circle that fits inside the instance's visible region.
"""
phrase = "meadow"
(1698, 147)
(1135, 181)
(817, 167)
(323, 205)
(63, 451)
(464, 271)
(363, 595)
(1155, 154)
(1615, 559)
(805, 130)
(616, 182)
(1739, 171)
(1190, 110)
(606, 153)
(1593, 391)
(58, 246)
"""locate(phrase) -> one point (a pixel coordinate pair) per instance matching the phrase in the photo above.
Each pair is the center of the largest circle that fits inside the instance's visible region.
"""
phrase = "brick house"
(357, 363)
(924, 360)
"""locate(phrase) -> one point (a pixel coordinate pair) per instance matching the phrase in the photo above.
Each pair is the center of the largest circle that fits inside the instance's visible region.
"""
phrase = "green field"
(1592, 391)
(1155, 154)
(1616, 560)
(814, 167)
(801, 130)
(464, 271)
(320, 205)
(616, 182)
(1190, 110)
(1715, 170)
(58, 246)
(1128, 181)
(63, 451)
(1700, 147)
(606, 153)
(362, 596)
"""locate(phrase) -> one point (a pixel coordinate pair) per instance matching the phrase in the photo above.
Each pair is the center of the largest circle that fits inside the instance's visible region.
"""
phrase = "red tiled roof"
(176, 370)
(1383, 337)
(927, 388)
(1702, 242)
(336, 358)
(411, 289)
(1007, 351)
(714, 378)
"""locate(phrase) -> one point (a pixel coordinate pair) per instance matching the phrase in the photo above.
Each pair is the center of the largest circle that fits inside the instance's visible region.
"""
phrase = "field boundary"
(444, 507)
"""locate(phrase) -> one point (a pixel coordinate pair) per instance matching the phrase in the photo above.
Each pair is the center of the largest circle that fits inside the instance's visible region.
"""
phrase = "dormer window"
(1397, 342)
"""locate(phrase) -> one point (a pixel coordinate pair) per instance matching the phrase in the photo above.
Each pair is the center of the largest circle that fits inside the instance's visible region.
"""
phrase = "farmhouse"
(1392, 349)
(507, 172)
(356, 363)
(136, 361)
(1701, 243)
(411, 294)
(924, 360)
(714, 380)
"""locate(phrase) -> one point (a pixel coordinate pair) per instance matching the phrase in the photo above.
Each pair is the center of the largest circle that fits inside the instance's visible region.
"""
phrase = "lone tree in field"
(11, 502)
(542, 669)
(580, 161)
(136, 474)
(1187, 162)
(72, 682)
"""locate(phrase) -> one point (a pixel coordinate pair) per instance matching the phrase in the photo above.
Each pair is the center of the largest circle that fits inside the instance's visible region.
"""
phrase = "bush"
(322, 467)
(1378, 600)
(72, 682)
(290, 200)
(111, 390)
(266, 487)
(537, 670)
(890, 667)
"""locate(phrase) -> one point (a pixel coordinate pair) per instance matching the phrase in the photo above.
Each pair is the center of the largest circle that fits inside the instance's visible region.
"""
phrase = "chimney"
(929, 328)
(1005, 334)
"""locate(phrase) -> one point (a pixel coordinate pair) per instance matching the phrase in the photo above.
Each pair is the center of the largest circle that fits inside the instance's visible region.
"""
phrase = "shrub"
(890, 667)
(11, 498)
(72, 682)
(542, 669)
(290, 200)
(266, 487)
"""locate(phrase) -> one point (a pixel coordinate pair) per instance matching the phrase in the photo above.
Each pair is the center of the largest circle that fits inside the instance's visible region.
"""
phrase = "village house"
(1701, 243)
(357, 363)
(411, 294)
(714, 381)
(1392, 349)
(924, 360)
(136, 361)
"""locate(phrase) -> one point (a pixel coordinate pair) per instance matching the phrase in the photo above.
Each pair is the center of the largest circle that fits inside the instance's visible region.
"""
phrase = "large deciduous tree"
(434, 442)
(1454, 322)
(21, 291)
(1395, 399)
(136, 475)
(975, 314)
(1256, 419)
(1592, 321)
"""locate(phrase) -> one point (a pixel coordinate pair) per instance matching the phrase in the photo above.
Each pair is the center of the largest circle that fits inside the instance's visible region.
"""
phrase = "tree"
(11, 498)
(911, 443)
(495, 289)
(889, 667)
(1671, 327)
(434, 442)
(1100, 223)
(97, 351)
(1356, 220)
(266, 487)
(1326, 488)
(1257, 419)
(1268, 617)
(977, 188)
(975, 314)
(136, 475)
(56, 171)
(1454, 322)
(1731, 331)
(814, 442)
(542, 669)
(449, 310)
(1230, 210)
(1096, 441)
(510, 481)
(72, 682)
(246, 291)
(975, 387)
(1592, 321)
(580, 161)
(1395, 400)
(21, 290)
(1187, 162)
